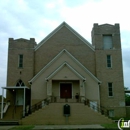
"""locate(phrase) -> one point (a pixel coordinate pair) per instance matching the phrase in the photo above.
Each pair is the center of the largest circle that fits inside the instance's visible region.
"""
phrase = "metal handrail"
(58, 99)
(96, 107)
(44, 102)
(35, 107)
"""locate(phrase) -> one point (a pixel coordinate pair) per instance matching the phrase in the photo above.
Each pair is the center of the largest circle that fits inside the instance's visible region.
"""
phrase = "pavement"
(60, 127)
(74, 127)
(6, 127)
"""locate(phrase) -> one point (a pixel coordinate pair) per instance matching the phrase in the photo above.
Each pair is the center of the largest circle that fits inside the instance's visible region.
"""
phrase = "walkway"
(56, 127)
(59, 127)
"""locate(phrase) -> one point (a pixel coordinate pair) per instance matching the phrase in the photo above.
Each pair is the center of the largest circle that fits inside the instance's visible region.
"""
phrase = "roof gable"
(56, 58)
(64, 24)
(65, 64)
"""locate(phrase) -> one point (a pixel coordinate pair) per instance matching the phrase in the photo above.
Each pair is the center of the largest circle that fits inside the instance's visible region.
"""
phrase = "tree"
(127, 98)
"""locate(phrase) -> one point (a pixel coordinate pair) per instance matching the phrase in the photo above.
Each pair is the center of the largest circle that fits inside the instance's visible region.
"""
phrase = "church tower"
(109, 70)
(20, 67)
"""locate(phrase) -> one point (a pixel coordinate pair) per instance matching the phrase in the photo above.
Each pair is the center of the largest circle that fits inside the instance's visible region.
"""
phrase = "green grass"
(117, 118)
(23, 127)
(110, 126)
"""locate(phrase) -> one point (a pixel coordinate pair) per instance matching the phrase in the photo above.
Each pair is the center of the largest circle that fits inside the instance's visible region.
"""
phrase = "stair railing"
(58, 99)
(96, 107)
(35, 107)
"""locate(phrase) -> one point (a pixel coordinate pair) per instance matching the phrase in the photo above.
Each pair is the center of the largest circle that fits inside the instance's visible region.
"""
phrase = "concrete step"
(52, 114)
(5, 123)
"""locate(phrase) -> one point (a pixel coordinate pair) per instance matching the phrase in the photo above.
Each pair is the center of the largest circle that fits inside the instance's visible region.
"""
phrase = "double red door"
(65, 90)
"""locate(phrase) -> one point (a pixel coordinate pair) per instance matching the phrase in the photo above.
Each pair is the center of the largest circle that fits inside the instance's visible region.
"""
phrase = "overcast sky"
(37, 18)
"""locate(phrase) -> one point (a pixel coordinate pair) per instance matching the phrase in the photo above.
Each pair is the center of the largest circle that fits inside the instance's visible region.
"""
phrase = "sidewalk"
(6, 127)
(60, 127)
(74, 127)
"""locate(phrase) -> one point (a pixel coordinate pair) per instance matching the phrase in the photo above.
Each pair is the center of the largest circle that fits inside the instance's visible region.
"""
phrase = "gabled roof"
(72, 57)
(60, 67)
(64, 24)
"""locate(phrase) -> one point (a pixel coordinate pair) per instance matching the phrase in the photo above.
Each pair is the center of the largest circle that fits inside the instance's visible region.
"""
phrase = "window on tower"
(110, 89)
(107, 41)
(109, 61)
(20, 61)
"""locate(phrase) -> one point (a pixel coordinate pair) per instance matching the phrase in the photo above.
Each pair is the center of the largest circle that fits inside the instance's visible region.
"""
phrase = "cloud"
(27, 18)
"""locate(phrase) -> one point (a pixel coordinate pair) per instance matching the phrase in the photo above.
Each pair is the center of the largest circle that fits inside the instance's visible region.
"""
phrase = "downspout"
(2, 103)
(99, 92)
(24, 104)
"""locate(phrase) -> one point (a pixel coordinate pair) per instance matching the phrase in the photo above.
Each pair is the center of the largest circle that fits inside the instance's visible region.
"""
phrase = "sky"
(37, 18)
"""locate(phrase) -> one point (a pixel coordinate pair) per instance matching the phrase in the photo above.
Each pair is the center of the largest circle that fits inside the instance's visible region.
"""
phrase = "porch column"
(2, 103)
(82, 90)
(49, 88)
(99, 92)
(24, 101)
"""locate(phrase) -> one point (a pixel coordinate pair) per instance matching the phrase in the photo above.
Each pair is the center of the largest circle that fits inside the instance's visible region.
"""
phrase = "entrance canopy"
(13, 88)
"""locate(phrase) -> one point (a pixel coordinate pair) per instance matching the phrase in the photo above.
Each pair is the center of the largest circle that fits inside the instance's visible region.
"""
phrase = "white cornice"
(60, 67)
(15, 87)
(72, 57)
(57, 29)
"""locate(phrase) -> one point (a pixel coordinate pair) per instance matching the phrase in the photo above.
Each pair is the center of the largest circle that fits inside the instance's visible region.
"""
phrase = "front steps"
(5, 123)
(53, 115)
(12, 114)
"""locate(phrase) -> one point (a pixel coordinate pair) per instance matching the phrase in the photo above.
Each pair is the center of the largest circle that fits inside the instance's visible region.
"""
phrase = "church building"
(65, 69)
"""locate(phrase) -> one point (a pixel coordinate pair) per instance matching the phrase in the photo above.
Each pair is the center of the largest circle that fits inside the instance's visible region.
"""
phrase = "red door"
(65, 90)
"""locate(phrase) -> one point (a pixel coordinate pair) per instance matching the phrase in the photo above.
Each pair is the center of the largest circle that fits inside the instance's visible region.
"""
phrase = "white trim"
(80, 37)
(15, 87)
(84, 68)
(49, 64)
(24, 102)
(57, 29)
(48, 36)
(60, 67)
(72, 57)
(99, 95)
(2, 103)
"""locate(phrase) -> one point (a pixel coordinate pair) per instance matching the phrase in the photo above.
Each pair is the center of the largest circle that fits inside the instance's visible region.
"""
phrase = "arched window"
(20, 83)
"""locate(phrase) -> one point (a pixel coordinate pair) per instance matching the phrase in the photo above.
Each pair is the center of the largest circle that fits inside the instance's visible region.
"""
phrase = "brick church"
(64, 68)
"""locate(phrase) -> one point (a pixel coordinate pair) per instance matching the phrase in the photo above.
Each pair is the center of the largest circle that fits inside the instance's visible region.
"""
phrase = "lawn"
(22, 127)
(110, 126)
(27, 127)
